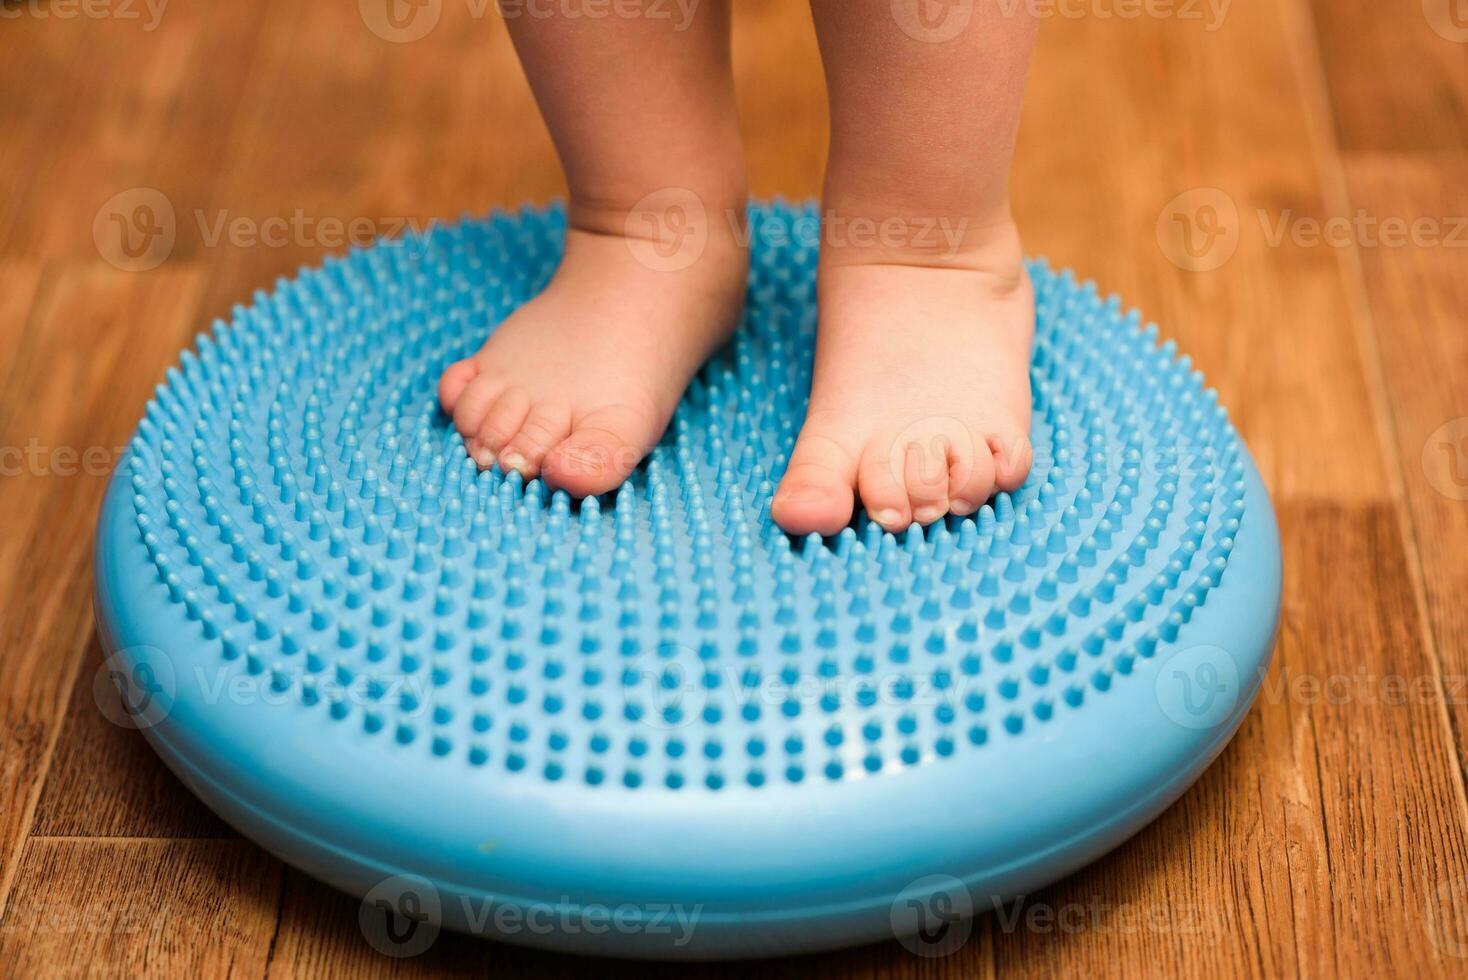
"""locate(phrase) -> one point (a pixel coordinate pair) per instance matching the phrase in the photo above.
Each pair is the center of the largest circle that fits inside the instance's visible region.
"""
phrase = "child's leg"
(921, 397)
(582, 380)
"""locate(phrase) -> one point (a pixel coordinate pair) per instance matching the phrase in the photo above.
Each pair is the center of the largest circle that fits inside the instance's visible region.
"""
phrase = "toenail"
(589, 461)
(513, 461)
(962, 507)
(927, 515)
(802, 493)
(887, 517)
(483, 456)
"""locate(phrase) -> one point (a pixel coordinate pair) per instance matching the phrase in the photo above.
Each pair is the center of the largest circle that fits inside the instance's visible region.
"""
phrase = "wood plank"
(335, 137)
(82, 372)
(782, 98)
(130, 118)
(1333, 820)
(106, 781)
(22, 732)
(20, 284)
(1398, 73)
(1115, 166)
(98, 338)
(320, 934)
(35, 127)
(1418, 294)
(141, 908)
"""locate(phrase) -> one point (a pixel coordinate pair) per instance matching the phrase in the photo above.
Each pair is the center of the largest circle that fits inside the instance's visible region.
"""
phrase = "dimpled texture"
(309, 520)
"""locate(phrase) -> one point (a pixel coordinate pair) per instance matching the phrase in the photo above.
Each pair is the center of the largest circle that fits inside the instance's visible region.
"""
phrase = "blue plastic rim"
(653, 724)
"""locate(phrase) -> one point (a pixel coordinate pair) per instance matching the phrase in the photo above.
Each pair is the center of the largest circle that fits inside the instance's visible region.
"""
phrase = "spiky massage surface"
(310, 522)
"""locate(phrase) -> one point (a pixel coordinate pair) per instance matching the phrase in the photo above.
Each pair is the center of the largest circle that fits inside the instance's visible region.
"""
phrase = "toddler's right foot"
(581, 381)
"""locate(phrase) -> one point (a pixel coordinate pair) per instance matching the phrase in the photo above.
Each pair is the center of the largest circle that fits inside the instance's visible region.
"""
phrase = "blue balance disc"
(653, 724)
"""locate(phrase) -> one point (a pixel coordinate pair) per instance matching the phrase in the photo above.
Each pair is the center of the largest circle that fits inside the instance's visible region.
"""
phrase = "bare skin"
(579, 383)
(931, 430)
(921, 399)
(920, 402)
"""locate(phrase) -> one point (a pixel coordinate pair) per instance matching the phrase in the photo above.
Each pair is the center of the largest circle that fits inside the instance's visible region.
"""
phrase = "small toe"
(454, 380)
(501, 421)
(817, 492)
(970, 479)
(879, 479)
(592, 460)
(473, 404)
(1013, 456)
(925, 473)
(543, 429)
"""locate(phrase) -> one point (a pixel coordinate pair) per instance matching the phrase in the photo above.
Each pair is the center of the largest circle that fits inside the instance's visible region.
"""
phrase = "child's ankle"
(991, 245)
(666, 216)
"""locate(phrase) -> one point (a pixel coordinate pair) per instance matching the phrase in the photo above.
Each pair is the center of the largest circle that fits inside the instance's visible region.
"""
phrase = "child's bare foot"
(921, 397)
(580, 382)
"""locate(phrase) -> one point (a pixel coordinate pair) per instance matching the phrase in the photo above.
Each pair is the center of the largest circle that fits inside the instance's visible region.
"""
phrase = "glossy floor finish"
(1280, 185)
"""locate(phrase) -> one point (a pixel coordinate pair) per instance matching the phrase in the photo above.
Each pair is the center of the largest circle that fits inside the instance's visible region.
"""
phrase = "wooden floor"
(1187, 162)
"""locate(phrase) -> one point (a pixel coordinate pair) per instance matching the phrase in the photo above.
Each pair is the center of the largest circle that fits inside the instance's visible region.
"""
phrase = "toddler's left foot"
(921, 397)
